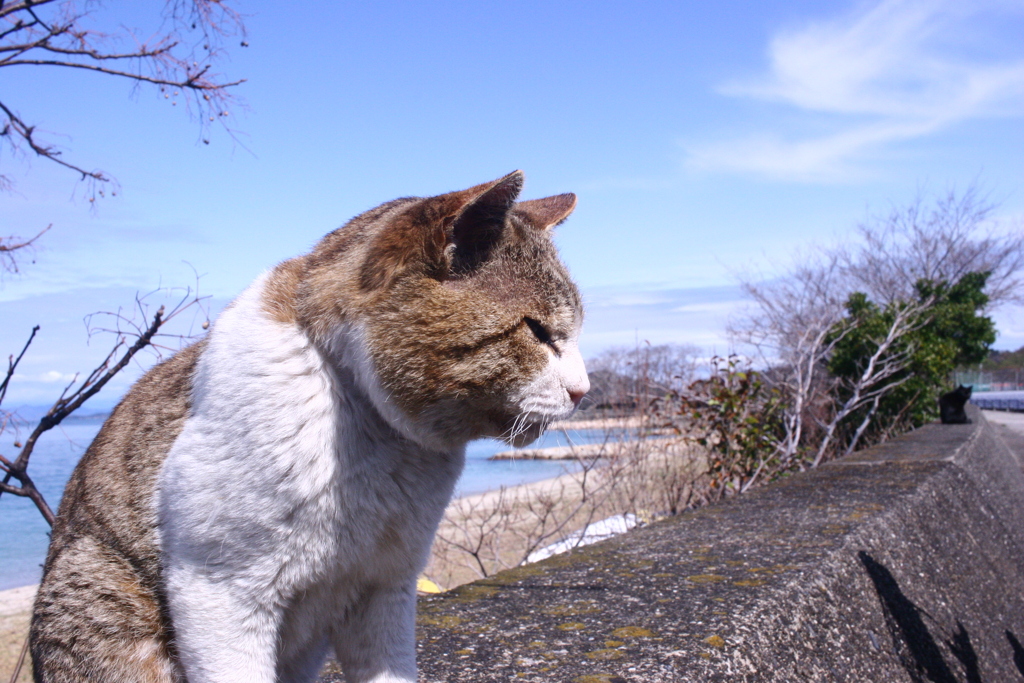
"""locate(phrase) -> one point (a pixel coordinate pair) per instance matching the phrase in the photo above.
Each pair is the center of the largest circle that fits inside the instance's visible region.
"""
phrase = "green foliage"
(736, 417)
(946, 330)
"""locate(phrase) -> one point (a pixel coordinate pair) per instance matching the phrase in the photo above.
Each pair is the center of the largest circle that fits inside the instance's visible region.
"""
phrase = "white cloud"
(629, 299)
(55, 376)
(891, 71)
(708, 307)
(628, 315)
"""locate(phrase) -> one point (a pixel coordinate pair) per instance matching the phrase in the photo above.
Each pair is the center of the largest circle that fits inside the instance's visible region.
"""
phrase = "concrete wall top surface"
(903, 562)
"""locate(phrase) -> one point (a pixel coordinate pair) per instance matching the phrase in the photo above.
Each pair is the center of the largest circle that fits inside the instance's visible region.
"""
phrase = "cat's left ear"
(548, 212)
(476, 221)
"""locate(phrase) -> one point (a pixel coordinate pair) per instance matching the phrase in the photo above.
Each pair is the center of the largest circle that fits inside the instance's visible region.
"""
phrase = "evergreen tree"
(948, 331)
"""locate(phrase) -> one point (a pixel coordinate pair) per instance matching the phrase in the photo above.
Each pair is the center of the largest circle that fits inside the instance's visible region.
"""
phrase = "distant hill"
(1004, 360)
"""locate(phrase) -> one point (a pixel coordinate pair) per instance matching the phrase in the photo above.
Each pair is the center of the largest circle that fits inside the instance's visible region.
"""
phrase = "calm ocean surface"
(24, 534)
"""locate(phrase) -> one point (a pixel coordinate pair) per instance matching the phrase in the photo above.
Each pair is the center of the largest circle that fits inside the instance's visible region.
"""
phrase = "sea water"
(24, 534)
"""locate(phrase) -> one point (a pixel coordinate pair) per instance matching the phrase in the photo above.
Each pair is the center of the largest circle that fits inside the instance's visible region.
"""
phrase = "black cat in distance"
(951, 406)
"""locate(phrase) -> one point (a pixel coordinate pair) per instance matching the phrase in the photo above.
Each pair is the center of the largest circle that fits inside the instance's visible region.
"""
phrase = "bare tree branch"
(190, 81)
(168, 63)
(12, 364)
(941, 242)
(64, 406)
(794, 324)
(72, 398)
(21, 660)
(27, 489)
(26, 5)
(18, 127)
(12, 244)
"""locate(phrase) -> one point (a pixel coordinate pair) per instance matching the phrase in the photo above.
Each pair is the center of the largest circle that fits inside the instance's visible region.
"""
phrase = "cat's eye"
(539, 331)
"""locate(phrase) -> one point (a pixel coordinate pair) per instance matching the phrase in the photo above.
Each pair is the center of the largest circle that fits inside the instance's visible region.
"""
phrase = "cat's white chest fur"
(287, 501)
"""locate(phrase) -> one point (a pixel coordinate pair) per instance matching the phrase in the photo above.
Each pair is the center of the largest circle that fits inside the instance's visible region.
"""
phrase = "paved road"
(1010, 427)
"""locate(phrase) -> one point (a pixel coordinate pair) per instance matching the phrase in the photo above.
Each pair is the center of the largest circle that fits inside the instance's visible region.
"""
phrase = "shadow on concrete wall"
(1018, 652)
(914, 645)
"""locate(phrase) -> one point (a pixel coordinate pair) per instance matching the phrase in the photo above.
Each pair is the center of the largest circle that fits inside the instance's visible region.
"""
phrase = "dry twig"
(73, 397)
(179, 61)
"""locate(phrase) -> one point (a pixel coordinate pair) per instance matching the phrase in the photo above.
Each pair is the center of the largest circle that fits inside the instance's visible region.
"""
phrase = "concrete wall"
(903, 562)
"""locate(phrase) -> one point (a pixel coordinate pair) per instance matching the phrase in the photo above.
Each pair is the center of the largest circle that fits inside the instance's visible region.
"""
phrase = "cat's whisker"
(519, 426)
(507, 434)
(565, 432)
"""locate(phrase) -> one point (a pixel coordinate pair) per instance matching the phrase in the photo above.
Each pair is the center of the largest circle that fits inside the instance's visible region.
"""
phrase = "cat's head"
(468, 319)
(964, 391)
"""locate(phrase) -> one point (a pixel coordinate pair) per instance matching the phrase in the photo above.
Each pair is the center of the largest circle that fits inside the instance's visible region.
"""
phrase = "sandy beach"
(499, 529)
(15, 611)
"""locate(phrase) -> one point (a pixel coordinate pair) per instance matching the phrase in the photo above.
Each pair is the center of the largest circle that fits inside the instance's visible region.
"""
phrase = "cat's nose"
(578, 390)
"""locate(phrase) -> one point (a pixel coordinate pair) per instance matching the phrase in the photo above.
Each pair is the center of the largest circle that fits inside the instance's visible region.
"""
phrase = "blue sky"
(702, 139)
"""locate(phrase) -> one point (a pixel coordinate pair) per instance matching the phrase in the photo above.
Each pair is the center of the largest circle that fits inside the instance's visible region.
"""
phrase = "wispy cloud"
(55, 376)
(626, 315)
(891, 71)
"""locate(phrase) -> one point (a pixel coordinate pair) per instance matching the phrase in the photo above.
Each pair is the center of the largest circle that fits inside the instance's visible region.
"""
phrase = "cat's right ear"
(548, 212)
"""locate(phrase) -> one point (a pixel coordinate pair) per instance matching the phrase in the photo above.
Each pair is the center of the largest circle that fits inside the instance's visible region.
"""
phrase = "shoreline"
(14, 601)
(19, 598)
(632, 422)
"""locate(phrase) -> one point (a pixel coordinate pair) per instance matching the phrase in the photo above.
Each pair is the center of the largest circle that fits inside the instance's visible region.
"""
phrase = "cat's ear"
(449, 234)
(476, 220)
(548, 212)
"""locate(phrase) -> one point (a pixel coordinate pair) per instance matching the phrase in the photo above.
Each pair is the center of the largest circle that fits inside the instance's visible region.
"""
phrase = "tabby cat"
(269, 494)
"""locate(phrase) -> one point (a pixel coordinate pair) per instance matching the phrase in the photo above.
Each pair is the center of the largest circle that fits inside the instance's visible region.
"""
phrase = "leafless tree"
(795, 319)
(789, 329)
(627, 376)
(179, 60)
(939, 241)
(132, 333)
